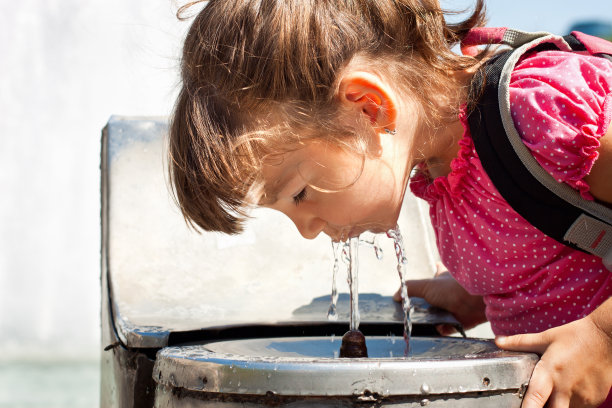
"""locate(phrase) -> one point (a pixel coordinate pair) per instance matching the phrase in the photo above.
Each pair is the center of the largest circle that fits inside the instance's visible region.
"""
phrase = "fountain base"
(305, 372)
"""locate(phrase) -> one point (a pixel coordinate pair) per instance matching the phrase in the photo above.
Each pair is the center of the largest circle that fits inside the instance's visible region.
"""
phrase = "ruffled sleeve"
(561, 105)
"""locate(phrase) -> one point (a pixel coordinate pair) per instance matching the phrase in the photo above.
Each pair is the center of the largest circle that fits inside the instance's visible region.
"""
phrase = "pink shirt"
(561, 105)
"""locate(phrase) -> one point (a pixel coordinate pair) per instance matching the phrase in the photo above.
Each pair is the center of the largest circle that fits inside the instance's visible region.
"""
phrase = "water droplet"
(346, 257)
(332, 313)
(425, 389)
(372, 242)
(379, 252)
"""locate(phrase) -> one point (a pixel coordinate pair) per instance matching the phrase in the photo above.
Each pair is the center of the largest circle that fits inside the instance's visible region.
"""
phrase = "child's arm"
(600, 177)
(576, 365)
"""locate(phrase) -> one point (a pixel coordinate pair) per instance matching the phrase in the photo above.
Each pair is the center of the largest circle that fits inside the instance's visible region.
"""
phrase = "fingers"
(535, 343)
(541, 384)
(418, 287)
(421, 287)
(557, 400)
(440, 269)
(539, 389)
(397, 296)
(445, 329)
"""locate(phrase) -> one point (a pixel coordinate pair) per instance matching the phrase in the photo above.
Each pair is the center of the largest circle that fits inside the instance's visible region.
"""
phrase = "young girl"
(323, 109)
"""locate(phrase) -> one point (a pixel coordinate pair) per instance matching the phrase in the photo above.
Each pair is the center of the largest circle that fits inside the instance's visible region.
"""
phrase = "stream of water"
(332, 312)
(398, 243)
(353, 281)
(348, 251)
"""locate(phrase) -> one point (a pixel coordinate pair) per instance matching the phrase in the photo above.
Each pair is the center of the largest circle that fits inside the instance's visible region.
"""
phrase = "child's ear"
(366, 94)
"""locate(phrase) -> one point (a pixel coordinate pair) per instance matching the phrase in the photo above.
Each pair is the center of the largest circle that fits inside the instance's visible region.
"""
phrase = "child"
(322, 109)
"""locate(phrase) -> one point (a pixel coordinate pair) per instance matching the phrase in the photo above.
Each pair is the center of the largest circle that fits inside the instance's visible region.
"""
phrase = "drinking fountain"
(195, 319)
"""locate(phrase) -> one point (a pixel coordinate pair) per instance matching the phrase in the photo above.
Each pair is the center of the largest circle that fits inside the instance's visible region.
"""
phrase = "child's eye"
(301, 196)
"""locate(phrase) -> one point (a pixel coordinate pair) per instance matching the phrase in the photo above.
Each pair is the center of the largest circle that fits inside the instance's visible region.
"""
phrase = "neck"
(444, 149)
(439, 143)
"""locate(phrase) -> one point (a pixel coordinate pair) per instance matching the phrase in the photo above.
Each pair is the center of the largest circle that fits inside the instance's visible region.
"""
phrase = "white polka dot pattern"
(529, 281)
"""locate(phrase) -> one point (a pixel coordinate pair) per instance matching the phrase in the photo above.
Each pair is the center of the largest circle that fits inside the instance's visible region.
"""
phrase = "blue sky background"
(540, 15)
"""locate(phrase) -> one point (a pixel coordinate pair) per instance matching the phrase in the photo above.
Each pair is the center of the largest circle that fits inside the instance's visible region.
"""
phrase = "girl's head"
(313, 88)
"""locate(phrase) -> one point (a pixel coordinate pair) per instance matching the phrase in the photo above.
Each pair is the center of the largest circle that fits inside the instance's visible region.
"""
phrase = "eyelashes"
(299, 197)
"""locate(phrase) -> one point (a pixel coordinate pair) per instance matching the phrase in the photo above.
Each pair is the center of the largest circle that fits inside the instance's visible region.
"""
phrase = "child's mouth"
(343, 234)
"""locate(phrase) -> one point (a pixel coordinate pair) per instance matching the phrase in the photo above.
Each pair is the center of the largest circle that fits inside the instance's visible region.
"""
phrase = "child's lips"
(337, 234)
(344, 234)
(355, 232)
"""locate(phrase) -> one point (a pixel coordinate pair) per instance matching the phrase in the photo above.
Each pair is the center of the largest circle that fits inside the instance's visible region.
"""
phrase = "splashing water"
(398, 243)
(377, 249)
(353, 281)
(332, 312)
(373, 242)
(346, 255)
(348, 252)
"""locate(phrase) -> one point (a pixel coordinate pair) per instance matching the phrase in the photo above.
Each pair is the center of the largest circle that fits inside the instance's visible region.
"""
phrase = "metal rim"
(197, 368)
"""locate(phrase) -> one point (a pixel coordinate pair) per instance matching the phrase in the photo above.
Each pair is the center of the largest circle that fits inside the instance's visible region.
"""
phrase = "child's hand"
(576, 365)
(444, 292)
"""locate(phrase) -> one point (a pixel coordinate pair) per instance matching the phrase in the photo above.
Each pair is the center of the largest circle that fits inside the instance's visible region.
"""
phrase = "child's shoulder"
(572, 73)
(560, 103)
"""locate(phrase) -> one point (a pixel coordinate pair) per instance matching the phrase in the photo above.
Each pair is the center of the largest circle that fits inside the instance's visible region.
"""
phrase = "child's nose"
(309, 227)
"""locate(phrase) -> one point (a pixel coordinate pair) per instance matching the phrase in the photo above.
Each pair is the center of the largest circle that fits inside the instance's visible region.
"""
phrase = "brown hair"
(249, 65)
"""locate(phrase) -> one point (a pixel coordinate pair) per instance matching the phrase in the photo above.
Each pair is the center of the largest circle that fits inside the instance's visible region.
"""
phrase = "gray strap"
(517, 38)
(582, 233)
(591, 235)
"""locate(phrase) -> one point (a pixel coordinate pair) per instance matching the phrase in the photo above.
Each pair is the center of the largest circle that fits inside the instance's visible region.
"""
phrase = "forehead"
(277, 169)
(323, 165)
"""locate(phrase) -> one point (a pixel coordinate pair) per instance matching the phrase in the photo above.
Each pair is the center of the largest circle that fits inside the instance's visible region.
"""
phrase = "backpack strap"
(593, 45)
(554, 208)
